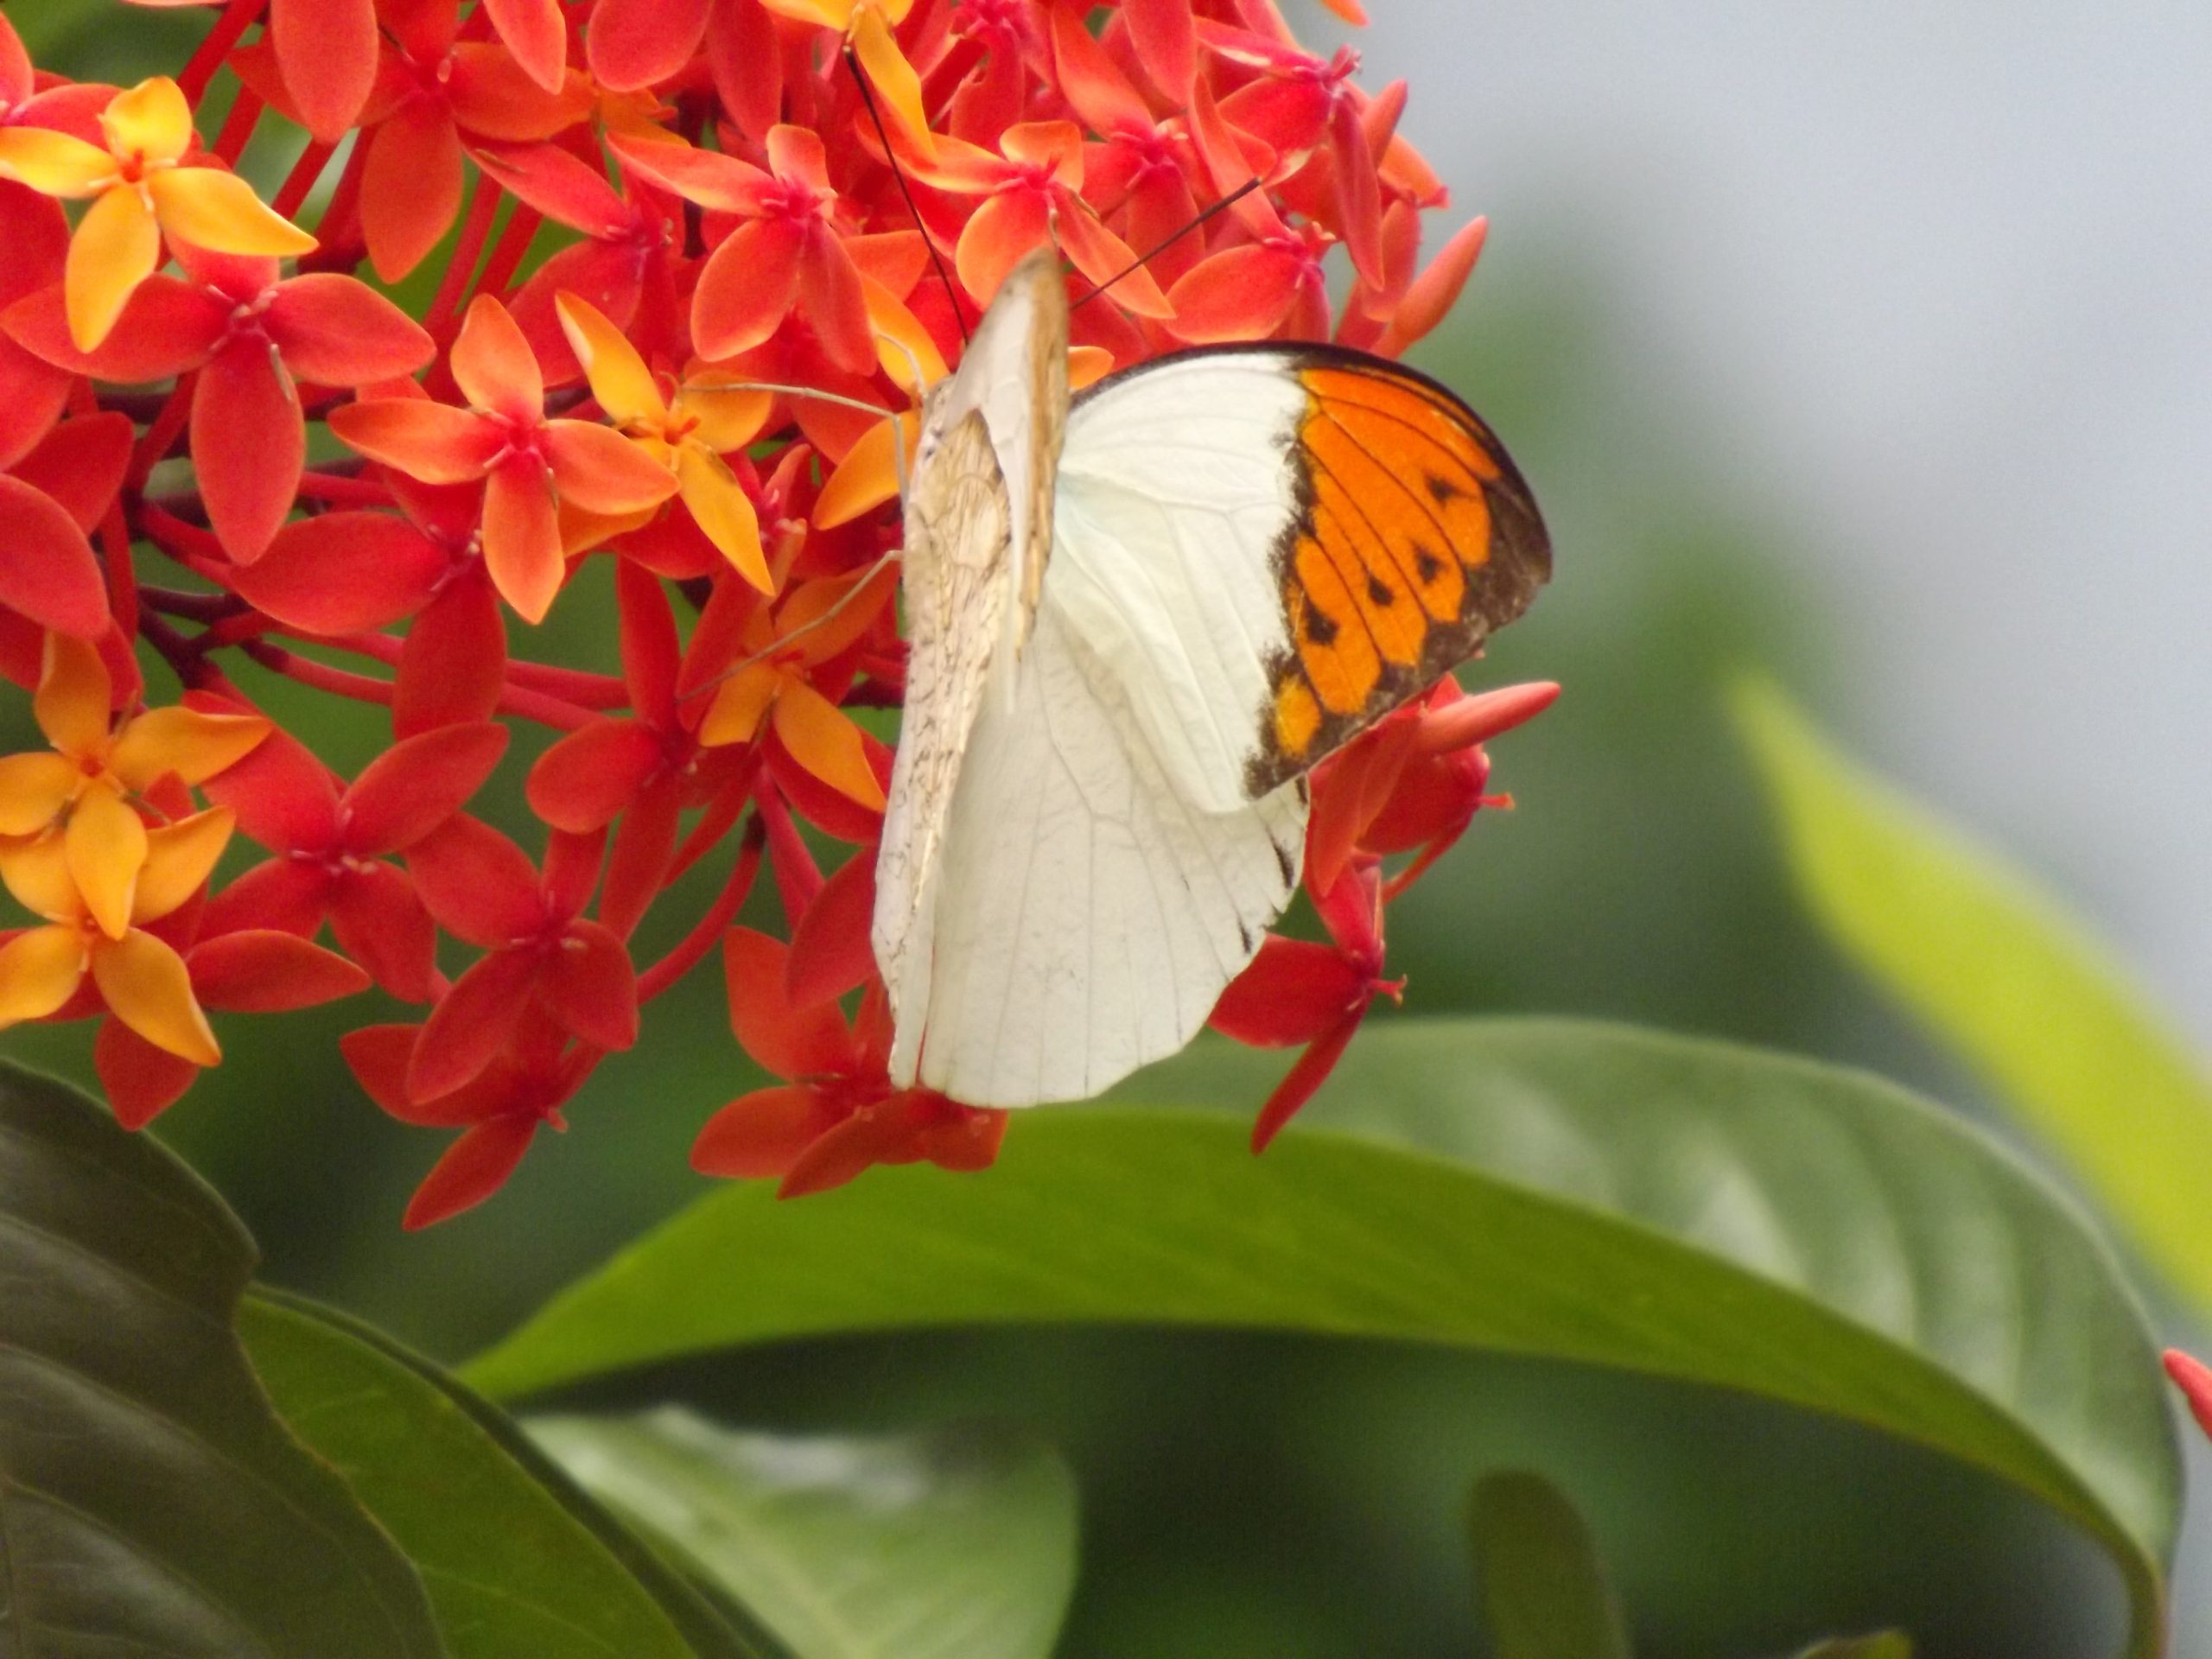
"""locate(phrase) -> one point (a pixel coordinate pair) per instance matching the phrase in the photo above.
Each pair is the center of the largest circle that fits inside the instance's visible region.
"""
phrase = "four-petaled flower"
(74, 804)
(530, 464)
(140, 188)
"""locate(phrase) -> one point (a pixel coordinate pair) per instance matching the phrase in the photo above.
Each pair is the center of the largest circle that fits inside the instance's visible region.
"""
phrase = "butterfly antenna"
(1148, 257)
(860, 584)
(867, 97)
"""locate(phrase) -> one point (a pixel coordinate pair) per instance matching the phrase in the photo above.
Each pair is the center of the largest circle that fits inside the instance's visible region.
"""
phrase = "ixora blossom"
(703, 258)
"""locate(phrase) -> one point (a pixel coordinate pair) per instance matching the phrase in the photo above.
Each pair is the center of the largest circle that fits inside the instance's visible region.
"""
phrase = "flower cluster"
(654, 223)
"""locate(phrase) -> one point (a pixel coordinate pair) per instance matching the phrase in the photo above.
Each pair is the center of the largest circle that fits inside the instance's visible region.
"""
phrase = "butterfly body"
(1135, 623)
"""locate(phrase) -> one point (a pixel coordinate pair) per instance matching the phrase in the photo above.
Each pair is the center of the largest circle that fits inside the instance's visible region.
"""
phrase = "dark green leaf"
(518, 1563)
(1689, 1210)
(1995, 969)
(1544, 1592)
(150, 1500)
(959, 1543)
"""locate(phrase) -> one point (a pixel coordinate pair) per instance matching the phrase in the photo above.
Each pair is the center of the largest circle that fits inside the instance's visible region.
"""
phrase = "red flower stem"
(359, 687)
(340, 232)
(302, 178)
(594, 692)
(196, 549)
(507, 252)
(122, 573)
(236, 18)
(347, 491)
(561, 715)
(162, 432)
(235, 630)
(194, 607)
(182, 655)
(702, 938)
(483, 203)
(238, 127)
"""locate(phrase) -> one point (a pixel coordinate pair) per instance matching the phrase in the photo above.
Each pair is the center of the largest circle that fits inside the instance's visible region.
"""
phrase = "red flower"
(2194, 1379)
(539, 950)
(246, 333)
(330, 845)
(836, 1115)
(520, 1091)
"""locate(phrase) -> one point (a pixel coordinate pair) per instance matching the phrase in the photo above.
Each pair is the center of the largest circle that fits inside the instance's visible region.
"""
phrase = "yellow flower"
(867, 25)
(139, 188)
(144, 983)
(71, 803)
(689, 433)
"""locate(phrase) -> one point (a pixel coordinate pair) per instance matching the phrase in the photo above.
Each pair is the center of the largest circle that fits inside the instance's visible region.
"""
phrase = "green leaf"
(1544, 1592)
(959, 1543)
(1995, 969)
(1689, 1210)
(519, 1562)
(1884, 1644)
(150, 1500)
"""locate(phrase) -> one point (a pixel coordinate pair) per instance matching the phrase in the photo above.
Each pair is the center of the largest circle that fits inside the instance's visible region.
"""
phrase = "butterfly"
(1136, 619)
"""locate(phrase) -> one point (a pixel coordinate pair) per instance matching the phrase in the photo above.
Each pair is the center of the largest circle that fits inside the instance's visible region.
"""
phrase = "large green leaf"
(1687, 1209)
(1544, 1592)
(1998, 972)
(518, 1563)
(959, 1543)
(150, 1500)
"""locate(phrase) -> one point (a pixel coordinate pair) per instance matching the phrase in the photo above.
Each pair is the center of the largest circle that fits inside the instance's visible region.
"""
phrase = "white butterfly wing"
(1087, 914)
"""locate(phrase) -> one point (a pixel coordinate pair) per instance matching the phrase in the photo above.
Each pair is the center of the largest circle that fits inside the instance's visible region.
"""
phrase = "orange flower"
(144, 981)
(530, 466)
(139, 189)
(819, 621)
(688, 432)
(867, 26)
(72, 803)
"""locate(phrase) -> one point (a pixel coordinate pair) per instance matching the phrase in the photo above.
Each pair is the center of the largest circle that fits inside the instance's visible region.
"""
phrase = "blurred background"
(1870, 345)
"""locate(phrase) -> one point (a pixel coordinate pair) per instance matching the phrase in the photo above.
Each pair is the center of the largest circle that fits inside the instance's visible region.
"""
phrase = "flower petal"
(822, 738)
(410, 187)
(477, 883)
(472, 1023)
(522, 536)
(249, 443)
(40, 970)
(634, 44)
(37, 872)
(474, 1167)
(105, 846)
(831, 951)
(34, 788)
(534, 33)
(589, 986)
(53, 163)
(724, 513)
(601, 471)
(620, 379)
(334, 330)
(897, 86)
(585, 780)
(141, 1081)
(788, 1042)
(748, 286)
(380, 921)
(761, 1134)
(493, 365)
(117, 246)
(72, 704)
(147, 987)
(454, 663)
(47, 569)
(705, 176)
(218, 211)
(264, 971)
(327, 52)
(151, 120)
(997, 235)
(435, 442)
(743, 699)
(194, 745)
(179, 857)
(343, 573)
(418, 784)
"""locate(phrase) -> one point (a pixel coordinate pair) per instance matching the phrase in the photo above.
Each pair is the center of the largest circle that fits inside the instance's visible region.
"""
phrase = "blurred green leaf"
(1996, 971)
(958, 1543)
(1544, 1592)
(150, 1501)
(1884, 1644)
(517, 1561)
(1689, 1210)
